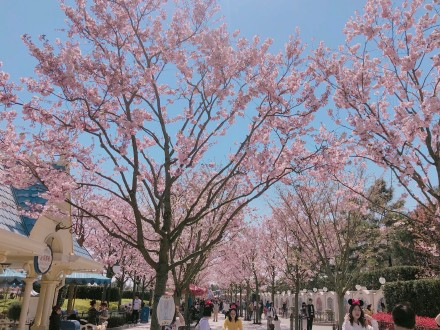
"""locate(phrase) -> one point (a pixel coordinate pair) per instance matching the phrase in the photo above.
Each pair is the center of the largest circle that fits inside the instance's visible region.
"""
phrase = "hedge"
(129, 295)
(14, 311)
(95, 292)
(422, 294)
(115, 321)
(391, 274)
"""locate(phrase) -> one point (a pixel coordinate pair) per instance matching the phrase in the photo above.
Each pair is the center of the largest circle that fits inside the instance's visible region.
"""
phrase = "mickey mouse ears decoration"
(354, 302)
(233, 306)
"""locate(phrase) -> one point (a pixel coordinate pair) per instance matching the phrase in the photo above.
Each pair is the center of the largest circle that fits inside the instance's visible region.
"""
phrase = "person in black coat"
(93, 314)
(310, 314)
(55, 318)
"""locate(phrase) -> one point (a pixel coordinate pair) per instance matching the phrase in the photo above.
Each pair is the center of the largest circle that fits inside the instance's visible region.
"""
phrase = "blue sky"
(317, 19)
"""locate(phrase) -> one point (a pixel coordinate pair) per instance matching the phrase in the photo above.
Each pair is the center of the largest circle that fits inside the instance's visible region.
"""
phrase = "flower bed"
(386, 322)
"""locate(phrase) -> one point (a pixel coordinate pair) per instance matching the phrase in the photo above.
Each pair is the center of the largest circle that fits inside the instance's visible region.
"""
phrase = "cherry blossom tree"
(386, 82)
(253, 261)
(424, 238)
(296, 268)
(193, 239)
(145, 99)
(326, 220)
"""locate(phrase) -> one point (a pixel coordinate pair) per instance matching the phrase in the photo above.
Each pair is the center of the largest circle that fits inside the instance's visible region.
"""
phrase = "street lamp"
(358, 287)
(315, 290)
(324, 289)
(116, 268)
(382, 280)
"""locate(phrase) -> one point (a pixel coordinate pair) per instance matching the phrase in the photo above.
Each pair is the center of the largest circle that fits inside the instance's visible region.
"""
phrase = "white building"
(43, 246)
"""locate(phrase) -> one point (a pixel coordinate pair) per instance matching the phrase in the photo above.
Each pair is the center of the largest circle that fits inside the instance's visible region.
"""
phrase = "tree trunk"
(341, 308)
(241, 302)
(273, 287)
(70, 294)
(257, 297)
(121, 291)
(161, 281)
(296, 307)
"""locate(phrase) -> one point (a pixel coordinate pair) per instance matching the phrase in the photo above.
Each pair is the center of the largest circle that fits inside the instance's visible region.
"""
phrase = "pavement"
(247, 325)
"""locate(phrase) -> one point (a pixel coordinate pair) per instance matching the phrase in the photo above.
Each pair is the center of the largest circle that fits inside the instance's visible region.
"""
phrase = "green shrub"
(422, 294)
(127, 294)
(95, 292)
(391, 274)
(14, 311)
(116, 321)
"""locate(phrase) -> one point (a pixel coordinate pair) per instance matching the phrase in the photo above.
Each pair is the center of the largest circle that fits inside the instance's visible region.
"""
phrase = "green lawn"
(4, 304)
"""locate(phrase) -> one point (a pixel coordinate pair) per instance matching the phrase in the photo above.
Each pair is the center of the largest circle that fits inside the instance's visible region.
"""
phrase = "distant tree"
(294, 266)
(382, 215)
(326, 220)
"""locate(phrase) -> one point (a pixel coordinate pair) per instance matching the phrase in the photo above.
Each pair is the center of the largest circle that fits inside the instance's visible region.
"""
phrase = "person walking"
(303, 316)
(277, 323)
(368, 310)
(285, 309)
(55, 318)
(92, 314)
(356, 319)
(232, 322)
(404, 317)
(215, 310)
(250, 311)
(207, 312)
(135, 309)
(271, 311)
(310, 314)
(103, 313)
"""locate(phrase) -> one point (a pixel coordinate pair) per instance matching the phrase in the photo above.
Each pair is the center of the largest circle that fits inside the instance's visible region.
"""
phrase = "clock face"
(43, 262)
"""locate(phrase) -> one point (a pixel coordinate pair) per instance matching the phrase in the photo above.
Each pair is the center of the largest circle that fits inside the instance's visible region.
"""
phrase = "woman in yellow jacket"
(232, 322)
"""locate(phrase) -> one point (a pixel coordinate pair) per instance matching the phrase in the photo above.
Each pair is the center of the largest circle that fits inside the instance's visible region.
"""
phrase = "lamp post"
(326, 309)
(358, 287)
(151, 294)
(382, 282)
(116, 268)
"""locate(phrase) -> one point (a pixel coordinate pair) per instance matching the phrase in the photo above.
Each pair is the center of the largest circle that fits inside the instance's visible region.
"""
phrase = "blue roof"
(11, 276)
(26, 197)
(12, 199)
(80, 251)
(87, 278)
(10, 218)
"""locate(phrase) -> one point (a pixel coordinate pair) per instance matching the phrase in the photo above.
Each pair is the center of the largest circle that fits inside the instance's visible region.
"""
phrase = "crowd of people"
(358, 318)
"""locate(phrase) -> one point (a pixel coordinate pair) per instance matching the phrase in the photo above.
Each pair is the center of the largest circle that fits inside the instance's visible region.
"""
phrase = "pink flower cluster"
(421, 321)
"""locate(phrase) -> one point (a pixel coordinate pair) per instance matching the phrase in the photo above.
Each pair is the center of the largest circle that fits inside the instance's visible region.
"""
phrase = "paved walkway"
(247, 325)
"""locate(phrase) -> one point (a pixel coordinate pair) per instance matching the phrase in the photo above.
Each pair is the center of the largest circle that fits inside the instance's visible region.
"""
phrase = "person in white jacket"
(277, 323)
(207, 312)
(356, 319)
